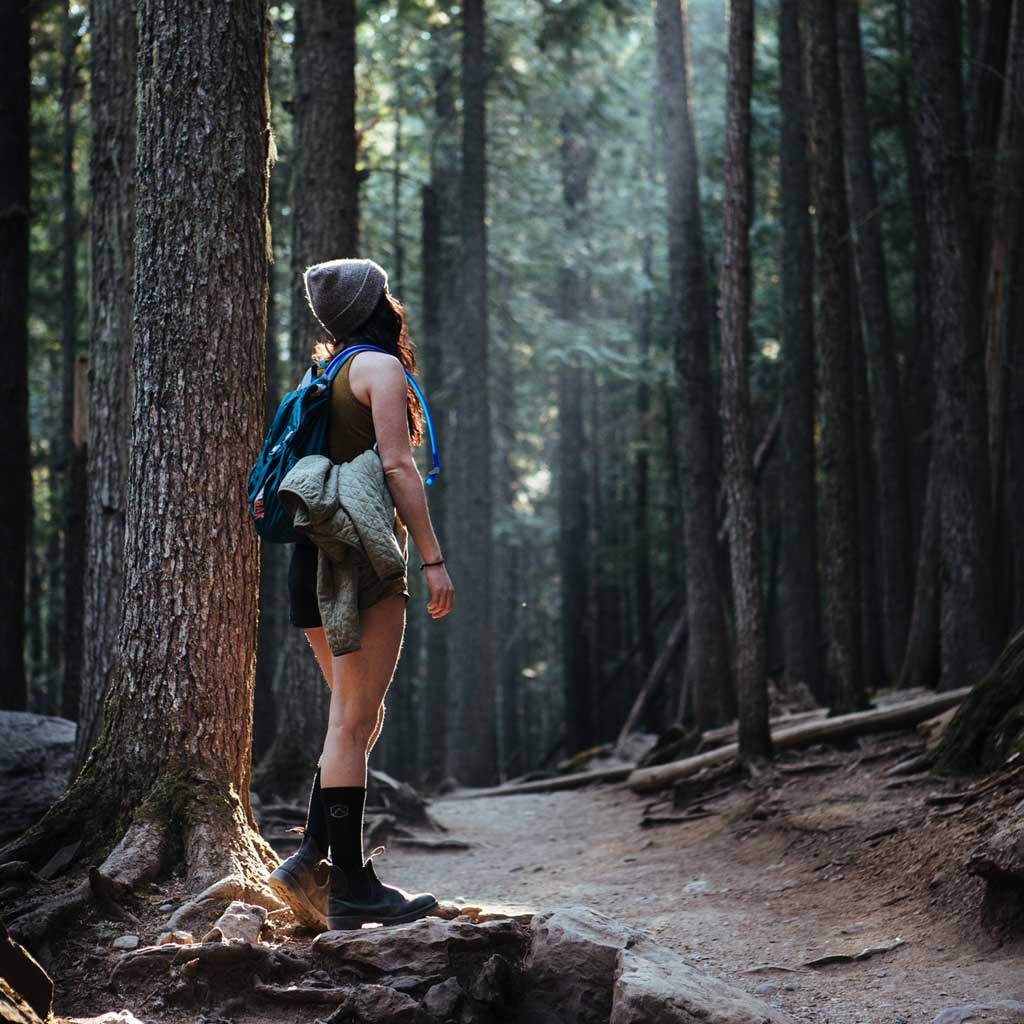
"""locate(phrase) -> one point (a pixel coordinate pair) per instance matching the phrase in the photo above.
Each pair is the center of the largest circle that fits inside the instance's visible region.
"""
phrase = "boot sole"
(352, 921)
(288, 891)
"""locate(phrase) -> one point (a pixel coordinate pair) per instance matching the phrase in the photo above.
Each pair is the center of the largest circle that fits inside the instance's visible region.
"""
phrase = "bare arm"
(381, 379)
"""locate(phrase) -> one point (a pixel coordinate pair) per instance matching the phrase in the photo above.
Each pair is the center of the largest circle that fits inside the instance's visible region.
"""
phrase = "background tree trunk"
(325, 226)
(472, 750)
(734, 316)
(15, 495)
(440, 240)
(73, 446)
(969, 624)
(708, 671)
(801, 616)
(841, 556)
(172, 763)
(573, 519)
(111, 233)
(886, 419)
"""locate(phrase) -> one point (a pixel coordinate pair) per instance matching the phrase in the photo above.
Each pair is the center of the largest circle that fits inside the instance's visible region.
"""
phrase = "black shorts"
(303, 607)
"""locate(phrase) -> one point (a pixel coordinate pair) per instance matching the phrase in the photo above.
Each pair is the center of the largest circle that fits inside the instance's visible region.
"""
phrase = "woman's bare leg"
(318, 641)
(361, 679)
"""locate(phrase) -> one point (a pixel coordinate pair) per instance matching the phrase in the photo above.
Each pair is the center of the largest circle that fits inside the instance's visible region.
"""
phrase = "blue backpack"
(299, 429)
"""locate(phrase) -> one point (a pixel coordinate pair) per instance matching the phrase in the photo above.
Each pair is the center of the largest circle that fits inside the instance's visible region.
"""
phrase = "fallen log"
(894, 716)
(574, 781)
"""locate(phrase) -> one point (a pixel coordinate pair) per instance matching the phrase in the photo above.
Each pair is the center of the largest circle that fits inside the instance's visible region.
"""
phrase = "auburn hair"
(386, 328)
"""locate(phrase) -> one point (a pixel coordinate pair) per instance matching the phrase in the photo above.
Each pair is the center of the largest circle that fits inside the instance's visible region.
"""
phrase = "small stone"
(767, 988)
(442, 1000)
(791, 986)
(699, 885)
(178, 938)
(126, 942)
(853, 929)
(166, 908)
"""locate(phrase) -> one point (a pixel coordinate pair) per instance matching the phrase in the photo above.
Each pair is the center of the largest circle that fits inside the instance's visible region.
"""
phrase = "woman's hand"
(442, 593)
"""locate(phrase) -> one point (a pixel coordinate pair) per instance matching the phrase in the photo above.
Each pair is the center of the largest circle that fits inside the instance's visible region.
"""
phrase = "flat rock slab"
(592, 969)
(1005, 1011)
(654, 985)
(431, 947)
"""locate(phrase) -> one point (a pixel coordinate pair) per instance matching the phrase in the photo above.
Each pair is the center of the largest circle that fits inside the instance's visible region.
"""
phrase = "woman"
(371, 403)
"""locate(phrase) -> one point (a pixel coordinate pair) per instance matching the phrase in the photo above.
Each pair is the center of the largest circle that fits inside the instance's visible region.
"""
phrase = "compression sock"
(344, 806)
(316, 818)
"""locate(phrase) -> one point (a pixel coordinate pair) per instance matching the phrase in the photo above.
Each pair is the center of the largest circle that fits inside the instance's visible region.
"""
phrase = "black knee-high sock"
(344, 806)
(316, 818)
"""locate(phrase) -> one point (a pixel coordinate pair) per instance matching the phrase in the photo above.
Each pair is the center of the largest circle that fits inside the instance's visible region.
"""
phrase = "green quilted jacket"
(344, 508)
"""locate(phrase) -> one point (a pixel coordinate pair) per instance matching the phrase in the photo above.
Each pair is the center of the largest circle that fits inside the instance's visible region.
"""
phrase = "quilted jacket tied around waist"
(345, 509)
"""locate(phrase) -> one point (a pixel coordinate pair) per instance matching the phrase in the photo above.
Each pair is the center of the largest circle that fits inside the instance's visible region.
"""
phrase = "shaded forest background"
(651, 490)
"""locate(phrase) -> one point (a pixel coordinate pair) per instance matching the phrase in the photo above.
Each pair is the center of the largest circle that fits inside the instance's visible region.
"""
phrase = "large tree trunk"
(841, 561)
(708, 672)
(472, 757)
(887, 436)
(800, 613)
(111, 231)
(574, 556)
(15, 495)
(734, 316)
(969, 623)
(325, 225)
(172, 763)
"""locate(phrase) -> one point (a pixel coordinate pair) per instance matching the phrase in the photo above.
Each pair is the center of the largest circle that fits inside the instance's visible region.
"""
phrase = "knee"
(353, 729)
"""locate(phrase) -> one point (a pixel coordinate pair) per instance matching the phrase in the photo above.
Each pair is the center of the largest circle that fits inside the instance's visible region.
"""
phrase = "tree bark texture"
(15, 495)
(574, 554)
(969, 625)
(801, 617)
(325, 198)
(172, 761)
(838, 464)
(708, 670)
(734, 316)
(887, 426)
(472, 756)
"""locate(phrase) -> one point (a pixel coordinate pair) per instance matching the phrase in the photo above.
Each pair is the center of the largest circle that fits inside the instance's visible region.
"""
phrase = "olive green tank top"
(350, 428)
(349, 423)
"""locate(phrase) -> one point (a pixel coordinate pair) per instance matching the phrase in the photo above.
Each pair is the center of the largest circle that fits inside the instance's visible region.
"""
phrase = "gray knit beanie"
(343, 293)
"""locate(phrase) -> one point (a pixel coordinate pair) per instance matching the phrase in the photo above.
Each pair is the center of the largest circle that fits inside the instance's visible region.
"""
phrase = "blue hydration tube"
(335, 365)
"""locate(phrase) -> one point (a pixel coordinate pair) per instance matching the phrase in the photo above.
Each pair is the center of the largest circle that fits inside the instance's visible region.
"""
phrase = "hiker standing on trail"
(372, 405)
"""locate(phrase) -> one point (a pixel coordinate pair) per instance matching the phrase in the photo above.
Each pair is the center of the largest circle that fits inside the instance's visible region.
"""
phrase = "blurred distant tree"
(840, 553)
(891, 510)
(14, 233)
(472, 748)
(970, 633)
(801, 612)
(751, 660)
(708, 663)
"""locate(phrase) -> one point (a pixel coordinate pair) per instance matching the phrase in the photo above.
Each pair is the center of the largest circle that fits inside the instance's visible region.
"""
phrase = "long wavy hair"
(386, 328)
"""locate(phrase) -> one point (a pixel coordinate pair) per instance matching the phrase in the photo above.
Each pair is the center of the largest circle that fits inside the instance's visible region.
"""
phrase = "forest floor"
(826, 855)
